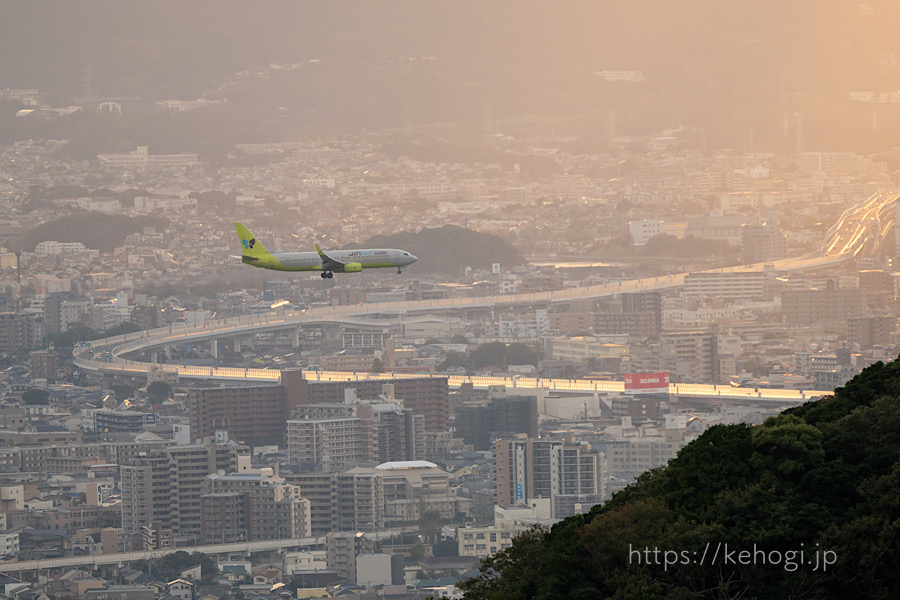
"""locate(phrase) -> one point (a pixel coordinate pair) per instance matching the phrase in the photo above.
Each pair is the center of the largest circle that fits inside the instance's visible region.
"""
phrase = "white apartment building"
(52, 248)
(329, 444)
(642, 231)
(636, 455)
(728, 285)
(141, 159)
(508, 523)
(581, 348)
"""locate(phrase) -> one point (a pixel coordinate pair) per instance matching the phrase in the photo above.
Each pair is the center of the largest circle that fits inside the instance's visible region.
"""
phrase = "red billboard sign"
(647, 383)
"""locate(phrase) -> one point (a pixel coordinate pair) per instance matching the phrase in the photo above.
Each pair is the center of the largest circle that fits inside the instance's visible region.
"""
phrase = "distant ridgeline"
(806, 505)
(95, 230)
(450, 249)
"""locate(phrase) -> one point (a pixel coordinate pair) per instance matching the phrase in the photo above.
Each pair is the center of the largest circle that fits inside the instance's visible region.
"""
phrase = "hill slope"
(450, 249)
(95, 230)
(812, 496)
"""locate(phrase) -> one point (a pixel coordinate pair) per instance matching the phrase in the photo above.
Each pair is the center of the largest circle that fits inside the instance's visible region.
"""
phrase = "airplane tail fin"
(249, 244)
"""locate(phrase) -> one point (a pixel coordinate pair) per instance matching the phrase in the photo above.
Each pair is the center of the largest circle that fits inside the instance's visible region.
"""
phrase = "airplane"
(335, 261)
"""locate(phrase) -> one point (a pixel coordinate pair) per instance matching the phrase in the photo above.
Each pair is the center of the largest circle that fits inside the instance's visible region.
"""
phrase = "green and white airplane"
(336, 261)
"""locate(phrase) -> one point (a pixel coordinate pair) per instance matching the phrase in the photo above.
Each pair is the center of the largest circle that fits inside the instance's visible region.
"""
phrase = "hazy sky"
(724, 66)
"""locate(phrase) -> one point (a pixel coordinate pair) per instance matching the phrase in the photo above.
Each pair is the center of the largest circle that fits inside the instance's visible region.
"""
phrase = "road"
(851, 235)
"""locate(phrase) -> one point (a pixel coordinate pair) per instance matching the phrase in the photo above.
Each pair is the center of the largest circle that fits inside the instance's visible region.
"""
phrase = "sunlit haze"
(483, 300)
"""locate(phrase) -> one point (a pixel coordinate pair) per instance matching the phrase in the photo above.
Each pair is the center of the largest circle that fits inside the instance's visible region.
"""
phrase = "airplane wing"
(328, 263)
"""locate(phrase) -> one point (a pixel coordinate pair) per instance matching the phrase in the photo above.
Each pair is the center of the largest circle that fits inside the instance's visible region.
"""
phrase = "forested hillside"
(811, 497)
(450, 249)
(95, 230)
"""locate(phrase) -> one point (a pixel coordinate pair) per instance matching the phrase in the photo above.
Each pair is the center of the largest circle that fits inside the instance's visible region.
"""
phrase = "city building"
(831, 305)
(163, 488)
(252, 506)
(252, 414)
(499, 414)
(16, 332)
(528, 469)
(426, 396)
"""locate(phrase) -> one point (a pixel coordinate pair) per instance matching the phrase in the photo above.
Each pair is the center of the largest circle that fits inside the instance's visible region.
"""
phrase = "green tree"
(820, 478)
(430, 524)
(171, 565)
(454, 359)
(122, 391)
(36, 397)
(521, 354)
(448, 547)
(121, 329)
(509, 574)
(491, 354)
(76, 333)
(159, 391)
(416, 552)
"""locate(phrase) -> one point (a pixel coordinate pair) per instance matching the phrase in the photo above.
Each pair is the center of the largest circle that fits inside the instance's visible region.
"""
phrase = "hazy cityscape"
(614, 260)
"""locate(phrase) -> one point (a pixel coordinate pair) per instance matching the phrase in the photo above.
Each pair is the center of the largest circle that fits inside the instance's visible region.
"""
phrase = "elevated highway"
(120, 558)
(859, 231)
(107, 355)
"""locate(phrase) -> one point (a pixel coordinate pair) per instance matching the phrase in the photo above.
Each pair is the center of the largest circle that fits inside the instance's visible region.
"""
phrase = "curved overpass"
(105, 355)
(844, 241)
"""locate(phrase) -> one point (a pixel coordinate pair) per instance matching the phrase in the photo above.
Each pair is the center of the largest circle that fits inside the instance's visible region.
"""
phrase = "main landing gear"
(327, 274)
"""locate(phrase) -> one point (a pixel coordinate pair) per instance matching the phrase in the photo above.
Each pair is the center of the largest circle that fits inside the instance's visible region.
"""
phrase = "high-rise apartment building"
(359, 500)
(529, 468)
(247, 413)
(318, 489)
(762, 242)
(691, 356)
(332, 437)
(16, 332)
(728, 285)
(44, 363)
(62, 310)
(397, 433)
(831, 305)
(258, 505)
(146, 490)
(329, 445)
(871, 331)
(500, 413)
(165, 487)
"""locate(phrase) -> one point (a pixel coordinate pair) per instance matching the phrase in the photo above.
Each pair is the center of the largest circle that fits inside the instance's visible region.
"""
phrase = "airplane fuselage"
(354, 260)
(327, 263)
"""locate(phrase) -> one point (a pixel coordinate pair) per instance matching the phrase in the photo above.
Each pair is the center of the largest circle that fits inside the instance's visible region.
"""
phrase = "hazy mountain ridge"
(450, 249)
(726, 67)
(95, 230)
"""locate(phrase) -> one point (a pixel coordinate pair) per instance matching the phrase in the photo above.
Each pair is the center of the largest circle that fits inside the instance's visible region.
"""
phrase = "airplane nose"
(413, 258)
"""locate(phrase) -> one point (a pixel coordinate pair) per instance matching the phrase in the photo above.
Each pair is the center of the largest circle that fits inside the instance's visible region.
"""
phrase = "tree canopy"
(812, 497)
(492, 354)
(36, 397)
(159, 391)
